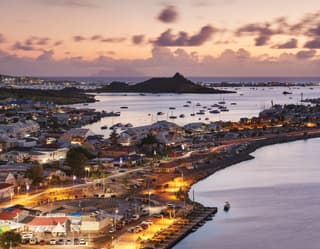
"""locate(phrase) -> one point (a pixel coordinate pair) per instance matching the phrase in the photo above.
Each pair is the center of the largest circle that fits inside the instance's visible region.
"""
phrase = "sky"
(158, 38)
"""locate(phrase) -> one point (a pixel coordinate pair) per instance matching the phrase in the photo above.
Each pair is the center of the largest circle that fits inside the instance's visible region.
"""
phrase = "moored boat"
(226, 206)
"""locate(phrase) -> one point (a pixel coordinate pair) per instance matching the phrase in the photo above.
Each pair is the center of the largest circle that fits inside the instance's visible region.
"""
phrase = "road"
(30, 200)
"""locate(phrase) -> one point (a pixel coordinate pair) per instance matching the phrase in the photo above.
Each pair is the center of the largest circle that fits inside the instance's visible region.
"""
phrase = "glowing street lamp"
(149, 193)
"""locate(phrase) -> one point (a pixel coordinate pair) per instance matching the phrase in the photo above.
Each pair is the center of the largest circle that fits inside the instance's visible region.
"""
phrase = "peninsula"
(64, 96)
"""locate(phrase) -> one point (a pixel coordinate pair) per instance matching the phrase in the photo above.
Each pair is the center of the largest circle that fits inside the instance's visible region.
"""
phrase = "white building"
(47, 155)
(19, 129)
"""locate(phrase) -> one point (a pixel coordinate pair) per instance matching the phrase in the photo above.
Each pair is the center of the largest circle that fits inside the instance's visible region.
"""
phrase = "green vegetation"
(10, 240)
(149, 139)
(35, 173)
(60, 97)
(76, 159)
(114, 137)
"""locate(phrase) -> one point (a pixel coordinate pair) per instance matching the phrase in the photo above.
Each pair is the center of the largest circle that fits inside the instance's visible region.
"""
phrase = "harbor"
(196, 218)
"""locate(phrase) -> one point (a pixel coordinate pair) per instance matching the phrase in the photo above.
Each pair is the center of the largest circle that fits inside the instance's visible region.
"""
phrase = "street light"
(74, 178)
(149, 193)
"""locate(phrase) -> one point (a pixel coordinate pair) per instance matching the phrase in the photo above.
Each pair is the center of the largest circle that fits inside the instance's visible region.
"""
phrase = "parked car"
(68, 242)
(76, 241)
(138, 229)
(82, 242)
(33, 241)
(60, 242)
(145, 212)
(144, 225)
(52, 242)
(135, 217)
(42, 242)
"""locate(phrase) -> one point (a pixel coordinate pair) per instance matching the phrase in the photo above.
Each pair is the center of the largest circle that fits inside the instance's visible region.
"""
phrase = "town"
(63, 185)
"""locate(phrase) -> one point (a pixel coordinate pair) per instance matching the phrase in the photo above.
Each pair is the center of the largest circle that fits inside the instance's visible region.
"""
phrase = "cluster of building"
(35, 133)
(44, 84)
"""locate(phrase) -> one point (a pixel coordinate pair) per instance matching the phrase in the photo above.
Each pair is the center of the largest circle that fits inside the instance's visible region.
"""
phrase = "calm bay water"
(274, 198)
(142, 110)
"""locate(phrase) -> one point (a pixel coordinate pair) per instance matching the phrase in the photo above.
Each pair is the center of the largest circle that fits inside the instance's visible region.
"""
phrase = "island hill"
(175, 84)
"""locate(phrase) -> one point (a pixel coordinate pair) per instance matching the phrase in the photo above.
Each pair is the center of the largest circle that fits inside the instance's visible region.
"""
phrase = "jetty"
(170, 236)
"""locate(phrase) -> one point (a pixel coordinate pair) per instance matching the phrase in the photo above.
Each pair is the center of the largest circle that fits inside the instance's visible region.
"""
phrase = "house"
(14, 214)
(136, 134)
(19, 129)
(46, 155)
(75, 136)
(56, 225)
(96, 223)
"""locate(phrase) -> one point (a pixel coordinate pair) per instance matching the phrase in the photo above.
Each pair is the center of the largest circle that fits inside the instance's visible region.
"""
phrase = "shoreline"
(206, 170)
(246, 155)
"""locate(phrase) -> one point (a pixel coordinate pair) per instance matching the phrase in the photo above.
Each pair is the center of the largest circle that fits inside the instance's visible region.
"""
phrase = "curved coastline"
(206, 170)
(245, 156)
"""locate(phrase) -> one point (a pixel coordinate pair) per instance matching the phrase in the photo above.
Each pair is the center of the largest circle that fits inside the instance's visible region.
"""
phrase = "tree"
(149, 139)
(114, 137)
(35, 173)
(10, 239)
(76, 159)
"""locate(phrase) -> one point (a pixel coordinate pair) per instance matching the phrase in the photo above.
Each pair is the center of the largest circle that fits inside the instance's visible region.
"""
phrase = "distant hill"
(175, 84)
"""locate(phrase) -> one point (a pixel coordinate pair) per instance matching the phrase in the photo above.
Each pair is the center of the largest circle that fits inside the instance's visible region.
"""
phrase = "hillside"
(175, 84)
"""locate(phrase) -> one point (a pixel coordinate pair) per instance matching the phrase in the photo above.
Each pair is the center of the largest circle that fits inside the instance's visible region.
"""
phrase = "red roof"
(47, 221)
(9, 214)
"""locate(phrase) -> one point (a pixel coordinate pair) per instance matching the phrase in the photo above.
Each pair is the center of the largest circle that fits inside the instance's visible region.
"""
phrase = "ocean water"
(275, 200)
(142, 110)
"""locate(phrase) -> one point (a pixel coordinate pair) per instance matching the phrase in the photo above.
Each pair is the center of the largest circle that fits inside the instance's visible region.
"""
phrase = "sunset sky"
(158, 37)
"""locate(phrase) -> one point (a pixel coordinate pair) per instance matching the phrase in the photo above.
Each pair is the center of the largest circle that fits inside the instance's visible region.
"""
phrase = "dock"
(169, 237)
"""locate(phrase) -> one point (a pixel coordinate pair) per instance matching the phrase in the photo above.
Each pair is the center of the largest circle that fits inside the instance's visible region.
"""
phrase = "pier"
(177, 231)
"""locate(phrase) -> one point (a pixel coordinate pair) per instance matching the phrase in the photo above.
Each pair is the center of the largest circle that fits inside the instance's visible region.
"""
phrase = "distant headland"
(176, 84)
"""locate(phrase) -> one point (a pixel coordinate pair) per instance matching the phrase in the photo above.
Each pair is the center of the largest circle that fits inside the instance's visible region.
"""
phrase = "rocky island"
(176, 84)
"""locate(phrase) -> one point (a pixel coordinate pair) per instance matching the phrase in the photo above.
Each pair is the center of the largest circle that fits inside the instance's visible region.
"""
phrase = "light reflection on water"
(275, 201)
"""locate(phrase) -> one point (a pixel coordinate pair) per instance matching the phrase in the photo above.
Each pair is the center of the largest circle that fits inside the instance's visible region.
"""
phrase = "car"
(60, 242)
(33, 241)
(52, 242)
(144, 225)
(68, 242)
(82, 242)
(138, 229)
(25, 235)
(112, 230)
(145, 212)
(135, 217)
(130, 229)
(42, 242)
(76, 241)
(122, 171)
